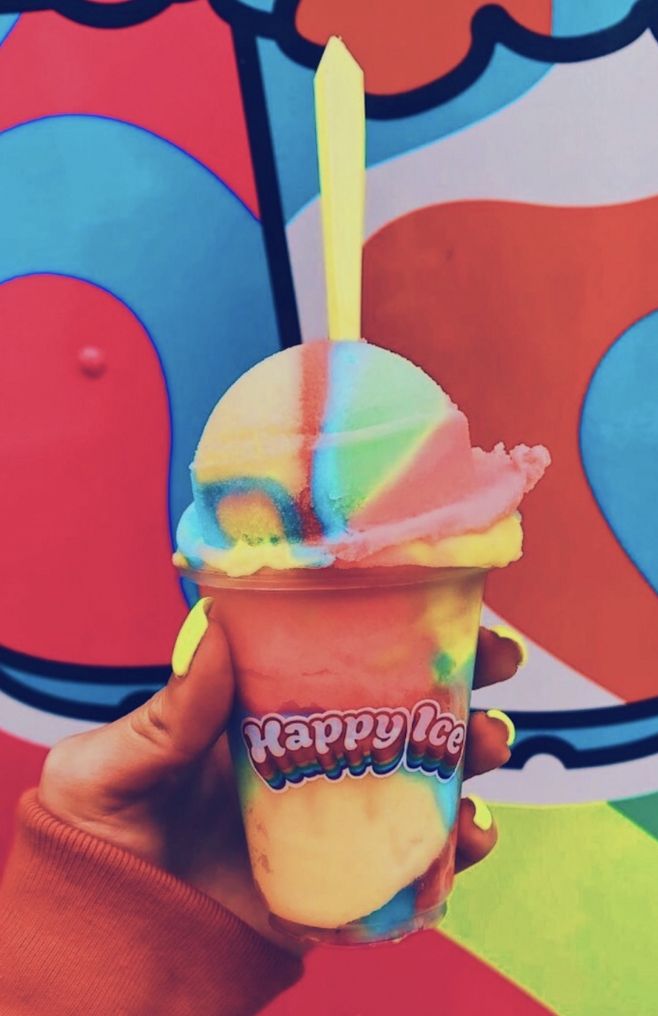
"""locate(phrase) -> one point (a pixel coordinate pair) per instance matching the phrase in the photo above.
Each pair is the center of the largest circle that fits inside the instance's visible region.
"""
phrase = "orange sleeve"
(88, 928)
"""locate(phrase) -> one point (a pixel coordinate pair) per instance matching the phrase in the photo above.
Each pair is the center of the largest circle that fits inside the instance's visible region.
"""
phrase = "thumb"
(186, 717)
(165, 734)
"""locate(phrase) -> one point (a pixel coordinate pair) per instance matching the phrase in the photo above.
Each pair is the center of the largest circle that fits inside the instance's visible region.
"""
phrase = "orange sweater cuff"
(88, 928)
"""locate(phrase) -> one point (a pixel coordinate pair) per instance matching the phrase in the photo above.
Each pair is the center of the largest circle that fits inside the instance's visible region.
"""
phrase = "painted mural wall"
(159, 233)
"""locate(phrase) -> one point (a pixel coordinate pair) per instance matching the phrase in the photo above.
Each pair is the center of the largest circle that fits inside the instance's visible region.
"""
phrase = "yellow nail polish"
(194, 628)
(482, 818)
(506, 632)
(498, 714)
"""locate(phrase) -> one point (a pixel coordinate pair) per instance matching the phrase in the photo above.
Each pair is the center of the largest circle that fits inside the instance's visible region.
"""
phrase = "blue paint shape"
(619, 442)
(259, 5)
(116, 206)
(7, 22)
(580, 17)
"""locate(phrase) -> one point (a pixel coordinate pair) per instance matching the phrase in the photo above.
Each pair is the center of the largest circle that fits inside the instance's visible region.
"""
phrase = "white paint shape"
(544, 780)
(35, 725)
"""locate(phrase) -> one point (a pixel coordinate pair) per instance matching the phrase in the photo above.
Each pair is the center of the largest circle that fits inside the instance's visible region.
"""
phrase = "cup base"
(360, 932)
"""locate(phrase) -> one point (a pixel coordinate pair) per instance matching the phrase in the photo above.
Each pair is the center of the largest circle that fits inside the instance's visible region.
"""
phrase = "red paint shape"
(174, 75)
(86, 571)
(405, 45)
(426, 973)
(511, 307)
(20, 765)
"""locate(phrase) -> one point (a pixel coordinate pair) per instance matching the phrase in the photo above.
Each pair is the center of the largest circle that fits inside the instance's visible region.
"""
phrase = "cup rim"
(328, 579)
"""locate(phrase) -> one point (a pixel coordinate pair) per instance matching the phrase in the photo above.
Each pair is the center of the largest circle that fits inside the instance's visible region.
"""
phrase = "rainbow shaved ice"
(324, 474)
(346, 455)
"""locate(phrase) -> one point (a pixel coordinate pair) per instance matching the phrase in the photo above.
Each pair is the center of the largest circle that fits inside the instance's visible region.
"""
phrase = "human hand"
(158, 782)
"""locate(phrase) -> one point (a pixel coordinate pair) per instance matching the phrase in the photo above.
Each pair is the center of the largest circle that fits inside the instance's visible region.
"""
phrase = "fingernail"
(194, 628)
(506, 632)
(498, 714)
(482, 817)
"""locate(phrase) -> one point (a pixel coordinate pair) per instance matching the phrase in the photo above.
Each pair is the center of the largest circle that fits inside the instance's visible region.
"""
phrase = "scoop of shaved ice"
(345, 455)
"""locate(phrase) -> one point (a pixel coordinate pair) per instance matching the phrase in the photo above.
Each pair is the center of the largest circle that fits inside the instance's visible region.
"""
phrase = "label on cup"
(288, 750)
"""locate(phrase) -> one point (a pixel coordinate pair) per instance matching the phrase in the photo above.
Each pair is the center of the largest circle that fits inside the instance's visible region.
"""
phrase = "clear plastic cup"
(347, 737)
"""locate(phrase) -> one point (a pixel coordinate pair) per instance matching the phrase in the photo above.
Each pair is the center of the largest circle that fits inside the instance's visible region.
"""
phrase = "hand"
(158, 782)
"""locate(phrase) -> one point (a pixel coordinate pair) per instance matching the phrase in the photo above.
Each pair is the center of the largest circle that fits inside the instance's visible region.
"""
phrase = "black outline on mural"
(267, 186)
(123, 14)
(602, 717)
(581, 758)
(542, 743)
(57, 705)
(491, 25)
(78, 673)
(83, 672)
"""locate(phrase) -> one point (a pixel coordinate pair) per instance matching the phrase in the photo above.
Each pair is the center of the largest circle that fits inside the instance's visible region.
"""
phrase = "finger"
(184, 718)
(476, 832)
(488, 742)
(499, 656)
(164, 735)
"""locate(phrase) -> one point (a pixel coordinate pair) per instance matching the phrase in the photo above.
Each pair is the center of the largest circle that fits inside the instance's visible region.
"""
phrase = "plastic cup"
(347, 738)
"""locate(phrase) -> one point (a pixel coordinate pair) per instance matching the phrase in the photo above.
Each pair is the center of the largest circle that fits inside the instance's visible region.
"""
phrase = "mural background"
(159, 233)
